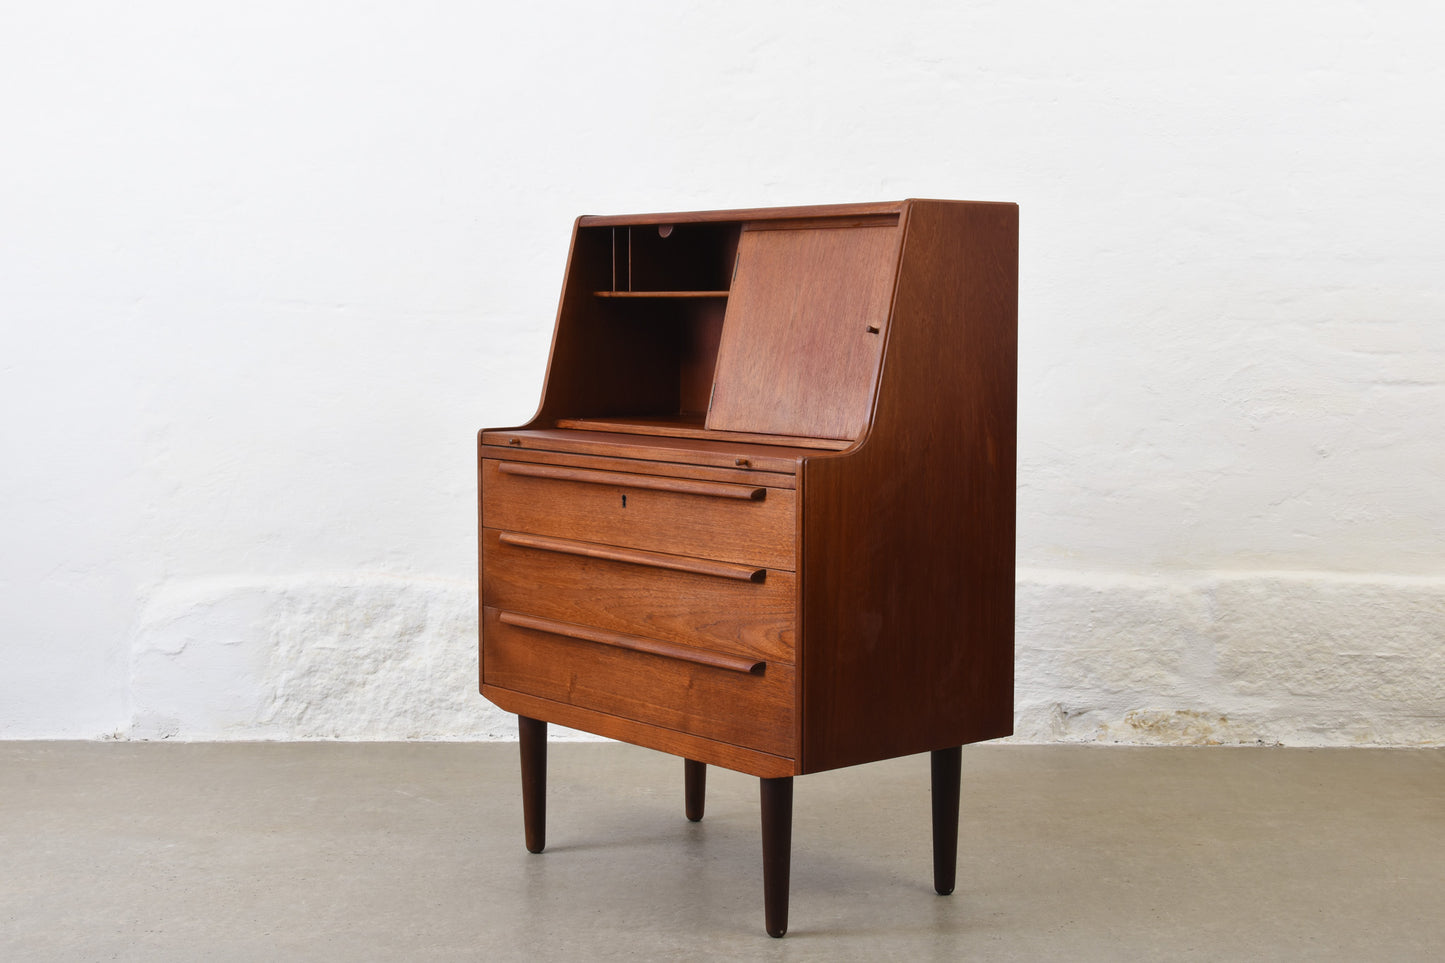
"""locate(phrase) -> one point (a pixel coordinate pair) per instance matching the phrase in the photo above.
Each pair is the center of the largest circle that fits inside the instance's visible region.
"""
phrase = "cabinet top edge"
(742, 214)
(769, 213)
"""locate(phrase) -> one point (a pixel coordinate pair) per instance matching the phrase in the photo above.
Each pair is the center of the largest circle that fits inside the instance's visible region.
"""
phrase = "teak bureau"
(764, 516)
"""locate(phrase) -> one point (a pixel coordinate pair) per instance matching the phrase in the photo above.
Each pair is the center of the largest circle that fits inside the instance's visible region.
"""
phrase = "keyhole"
(624, 501)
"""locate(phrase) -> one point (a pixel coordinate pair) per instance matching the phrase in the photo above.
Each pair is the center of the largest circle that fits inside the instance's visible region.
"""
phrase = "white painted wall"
(266, 267)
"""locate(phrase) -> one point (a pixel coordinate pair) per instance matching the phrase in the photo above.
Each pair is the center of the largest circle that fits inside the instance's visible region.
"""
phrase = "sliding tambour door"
(804, 328)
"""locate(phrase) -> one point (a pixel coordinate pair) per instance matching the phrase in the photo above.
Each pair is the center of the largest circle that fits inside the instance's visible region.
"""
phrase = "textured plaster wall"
(265, 268)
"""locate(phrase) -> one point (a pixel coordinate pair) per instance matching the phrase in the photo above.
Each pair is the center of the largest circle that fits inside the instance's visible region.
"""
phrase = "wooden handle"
(684, 486)
(697, 566)
(699, 656)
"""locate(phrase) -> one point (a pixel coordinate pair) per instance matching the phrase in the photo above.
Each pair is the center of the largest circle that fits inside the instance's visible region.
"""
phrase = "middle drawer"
(665, 597)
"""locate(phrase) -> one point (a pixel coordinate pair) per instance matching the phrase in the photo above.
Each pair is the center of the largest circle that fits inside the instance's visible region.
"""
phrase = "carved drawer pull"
(615, 639)
(683, 486)
(697, 566)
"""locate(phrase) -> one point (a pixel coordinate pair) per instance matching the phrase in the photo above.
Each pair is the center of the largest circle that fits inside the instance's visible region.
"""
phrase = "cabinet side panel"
(908, 542)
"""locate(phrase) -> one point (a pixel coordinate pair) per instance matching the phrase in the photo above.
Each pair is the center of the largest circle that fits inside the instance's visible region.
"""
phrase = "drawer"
(735, 701)
(746, 524)
(722, 606)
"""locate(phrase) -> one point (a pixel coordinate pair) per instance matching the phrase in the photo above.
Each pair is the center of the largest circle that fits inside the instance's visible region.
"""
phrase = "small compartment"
(675, 342)
(672, 260)
(642, 319)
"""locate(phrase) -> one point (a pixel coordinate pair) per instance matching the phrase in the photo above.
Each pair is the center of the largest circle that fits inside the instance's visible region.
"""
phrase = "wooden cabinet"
(764, 515)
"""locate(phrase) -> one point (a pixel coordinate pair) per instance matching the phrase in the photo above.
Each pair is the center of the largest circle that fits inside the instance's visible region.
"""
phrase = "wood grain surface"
(715, 450)
(907, 566)
(744, 618)
(684, 744)
(743, 531)
(753, 711)
(802, 339)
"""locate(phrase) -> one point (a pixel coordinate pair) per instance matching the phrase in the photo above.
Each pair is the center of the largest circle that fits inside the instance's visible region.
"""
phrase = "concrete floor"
(335, 851)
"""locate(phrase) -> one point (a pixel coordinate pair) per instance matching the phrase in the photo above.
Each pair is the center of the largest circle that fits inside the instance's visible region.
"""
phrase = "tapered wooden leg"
(777, 800)
(533, 734)
(946, 764)
(695, 788)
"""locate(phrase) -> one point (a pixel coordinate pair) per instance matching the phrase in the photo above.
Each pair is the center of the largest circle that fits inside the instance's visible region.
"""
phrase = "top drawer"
(748, 524)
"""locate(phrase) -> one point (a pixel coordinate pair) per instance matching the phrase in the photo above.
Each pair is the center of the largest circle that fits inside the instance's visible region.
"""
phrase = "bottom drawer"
(753, 709)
